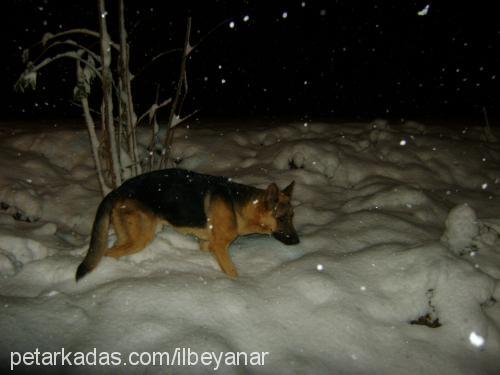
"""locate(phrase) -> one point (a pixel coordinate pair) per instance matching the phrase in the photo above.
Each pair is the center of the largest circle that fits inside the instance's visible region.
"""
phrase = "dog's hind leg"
(134, 227)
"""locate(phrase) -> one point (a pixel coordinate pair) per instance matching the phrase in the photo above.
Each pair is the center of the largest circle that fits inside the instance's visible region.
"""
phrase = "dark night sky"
(299, 59)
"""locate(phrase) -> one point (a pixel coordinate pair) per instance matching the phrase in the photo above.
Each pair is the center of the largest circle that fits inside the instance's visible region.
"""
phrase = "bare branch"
(107, 96)
(178, 91)
(490, 137)
(82, 31)
(79, 105)
(67, 42)
(192, 48)
(178, 120)
(126, 92)
(70, 54)
(150, 62)
(153, 109)
(32, 69)
(94, 142)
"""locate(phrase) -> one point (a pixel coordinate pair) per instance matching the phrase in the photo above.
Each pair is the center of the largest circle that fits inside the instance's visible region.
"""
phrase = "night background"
(302, 60)
(377, 113)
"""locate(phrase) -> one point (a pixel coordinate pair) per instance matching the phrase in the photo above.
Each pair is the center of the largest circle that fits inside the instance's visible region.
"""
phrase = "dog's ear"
(289, 189)
(271, 195)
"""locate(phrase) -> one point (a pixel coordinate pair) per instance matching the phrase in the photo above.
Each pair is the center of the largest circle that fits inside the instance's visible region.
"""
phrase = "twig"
(150, 62)
(153, 109)
(71, 43)
(94, 142)
(202, 39)
(173, 109)
(82, 31)
(107, 96)
(490, 137)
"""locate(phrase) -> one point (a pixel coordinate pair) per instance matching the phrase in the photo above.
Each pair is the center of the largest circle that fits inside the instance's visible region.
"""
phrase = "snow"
(391, 234)
(424, 11)
(461, 228)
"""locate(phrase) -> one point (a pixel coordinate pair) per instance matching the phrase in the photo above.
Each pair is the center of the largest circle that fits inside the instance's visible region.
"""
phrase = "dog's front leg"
(204, 245)
(221, 253)
(222, 232)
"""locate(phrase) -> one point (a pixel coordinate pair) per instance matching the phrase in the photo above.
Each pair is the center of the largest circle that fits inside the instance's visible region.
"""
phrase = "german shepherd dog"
(212, 208)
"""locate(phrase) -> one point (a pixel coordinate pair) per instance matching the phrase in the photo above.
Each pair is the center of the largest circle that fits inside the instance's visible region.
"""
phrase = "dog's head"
(279, 213)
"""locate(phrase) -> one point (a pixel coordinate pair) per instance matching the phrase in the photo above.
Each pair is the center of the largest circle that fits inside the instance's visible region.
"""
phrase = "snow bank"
(399, 233)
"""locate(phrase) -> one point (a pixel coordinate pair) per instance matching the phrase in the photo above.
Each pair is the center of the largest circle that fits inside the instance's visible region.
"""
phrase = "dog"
(212, 208)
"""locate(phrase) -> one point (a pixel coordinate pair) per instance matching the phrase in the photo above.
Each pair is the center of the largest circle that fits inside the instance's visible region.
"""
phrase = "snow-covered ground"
(399, 223)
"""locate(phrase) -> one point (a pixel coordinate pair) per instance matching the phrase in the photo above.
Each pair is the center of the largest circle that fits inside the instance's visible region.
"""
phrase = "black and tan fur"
(212, 208)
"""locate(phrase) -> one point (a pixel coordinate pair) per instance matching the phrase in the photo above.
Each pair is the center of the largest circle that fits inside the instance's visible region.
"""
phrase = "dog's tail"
(99, 240)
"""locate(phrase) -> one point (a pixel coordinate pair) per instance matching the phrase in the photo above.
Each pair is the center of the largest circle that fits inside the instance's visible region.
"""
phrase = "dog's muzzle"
(288, 238)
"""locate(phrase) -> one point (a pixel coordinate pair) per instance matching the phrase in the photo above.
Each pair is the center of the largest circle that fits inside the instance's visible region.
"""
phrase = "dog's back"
(178, 196)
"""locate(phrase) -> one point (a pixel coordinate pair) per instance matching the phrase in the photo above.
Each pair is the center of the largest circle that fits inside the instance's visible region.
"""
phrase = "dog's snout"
(288, 238)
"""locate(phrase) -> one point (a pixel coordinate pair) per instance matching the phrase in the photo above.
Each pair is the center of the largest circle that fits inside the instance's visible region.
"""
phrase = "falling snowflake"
(231, 24)
(319, 267)
(424, 11)
(476, 340)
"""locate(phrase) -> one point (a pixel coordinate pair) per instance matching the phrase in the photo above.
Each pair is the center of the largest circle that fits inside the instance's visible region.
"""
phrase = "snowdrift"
(396, 273)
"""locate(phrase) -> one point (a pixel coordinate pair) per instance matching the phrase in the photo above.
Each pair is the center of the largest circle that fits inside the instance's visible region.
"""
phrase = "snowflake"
(424, 11)
(476, 340)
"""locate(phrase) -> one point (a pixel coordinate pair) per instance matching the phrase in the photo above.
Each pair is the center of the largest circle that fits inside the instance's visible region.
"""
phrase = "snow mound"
(312, 155)
(17, 251)
(401, 199)
(21, 201)
(461, 228)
